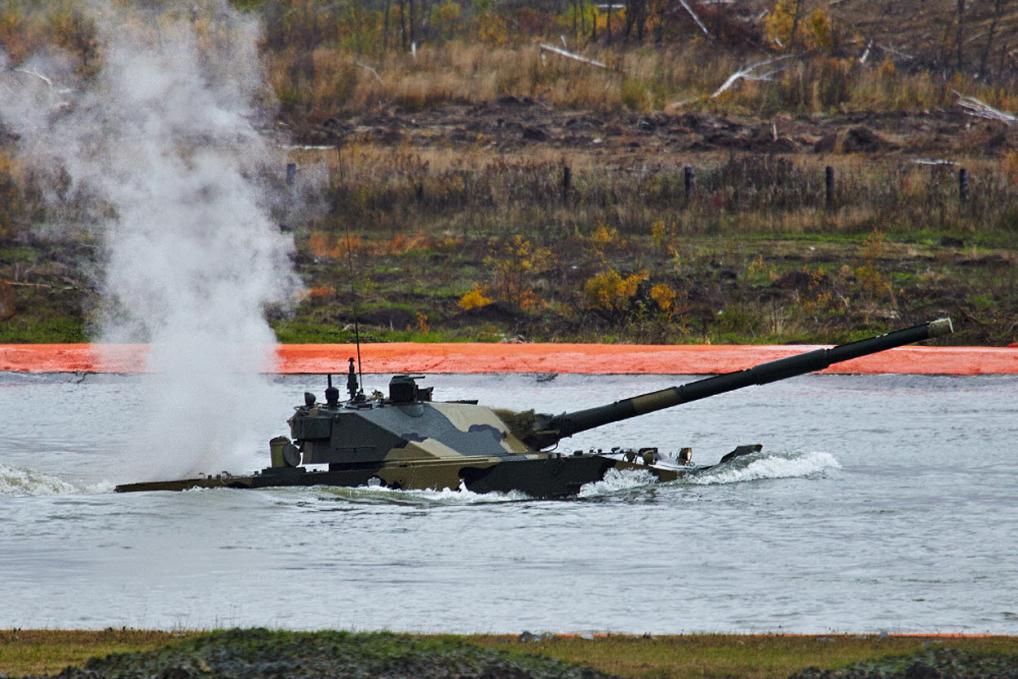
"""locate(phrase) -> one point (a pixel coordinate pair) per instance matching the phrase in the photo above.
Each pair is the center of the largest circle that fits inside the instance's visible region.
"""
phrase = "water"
(880, 503)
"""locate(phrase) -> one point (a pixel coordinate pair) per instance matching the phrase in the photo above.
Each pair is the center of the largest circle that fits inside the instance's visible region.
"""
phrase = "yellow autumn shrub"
(474, 299)
(664, 296)
(611, 292)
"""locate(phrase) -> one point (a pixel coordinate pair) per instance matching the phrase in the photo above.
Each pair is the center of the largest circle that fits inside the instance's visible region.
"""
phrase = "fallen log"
(571, 55)
(980, 109)
(750, 73)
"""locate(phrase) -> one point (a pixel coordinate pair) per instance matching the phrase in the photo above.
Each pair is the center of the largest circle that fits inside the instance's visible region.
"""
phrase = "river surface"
(878, 503)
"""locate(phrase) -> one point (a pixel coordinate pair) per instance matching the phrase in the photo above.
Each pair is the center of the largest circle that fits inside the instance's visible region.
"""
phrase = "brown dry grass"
(329, 64)
(48, 651)
(379, 187)
(725, 655)
(642, 79)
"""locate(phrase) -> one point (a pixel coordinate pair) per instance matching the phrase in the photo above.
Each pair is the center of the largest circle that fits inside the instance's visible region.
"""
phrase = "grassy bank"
(432, 244)
(30, 652)
(476, 189)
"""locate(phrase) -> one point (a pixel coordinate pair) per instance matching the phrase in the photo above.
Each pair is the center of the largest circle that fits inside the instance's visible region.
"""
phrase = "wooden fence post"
(688, 177)
(567, 178)
(829, 187)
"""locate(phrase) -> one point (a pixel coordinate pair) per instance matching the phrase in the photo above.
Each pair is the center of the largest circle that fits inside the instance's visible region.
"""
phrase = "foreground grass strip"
(255, 653)
(937, 663)
(246, 652)
(752, 657)
(29, 652)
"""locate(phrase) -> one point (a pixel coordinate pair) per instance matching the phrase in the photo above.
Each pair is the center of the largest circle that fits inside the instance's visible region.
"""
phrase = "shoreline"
(480, 358)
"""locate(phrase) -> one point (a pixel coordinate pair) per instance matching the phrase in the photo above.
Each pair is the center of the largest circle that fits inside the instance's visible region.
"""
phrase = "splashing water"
(754, 468)
(15, 481)
(163, 139)
(445, 496)
(617, 481)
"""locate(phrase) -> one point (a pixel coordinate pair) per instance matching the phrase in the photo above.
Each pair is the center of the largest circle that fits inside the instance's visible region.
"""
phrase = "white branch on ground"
(980, 109)
(371, 71)
(570, 55)
(866, 52)
(897, 52)
(689, 10)
(35, 74)
(9, 84)
(751, 72)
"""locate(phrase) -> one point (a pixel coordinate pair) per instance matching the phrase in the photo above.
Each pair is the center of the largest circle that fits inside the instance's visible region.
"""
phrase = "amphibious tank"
(407, 440)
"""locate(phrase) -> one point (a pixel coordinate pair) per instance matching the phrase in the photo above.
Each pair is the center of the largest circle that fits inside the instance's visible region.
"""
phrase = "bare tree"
(402, 25)
(636, 17)
(413, 36)
(385, 28)
(998, 9)
(611, 10)
(961, 30)
(796, 18)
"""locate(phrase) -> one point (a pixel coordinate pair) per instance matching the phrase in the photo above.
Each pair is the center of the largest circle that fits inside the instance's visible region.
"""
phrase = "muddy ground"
(513, 124)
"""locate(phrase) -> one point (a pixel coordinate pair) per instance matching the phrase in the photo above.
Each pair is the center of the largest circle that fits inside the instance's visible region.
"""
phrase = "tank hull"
(543, 477)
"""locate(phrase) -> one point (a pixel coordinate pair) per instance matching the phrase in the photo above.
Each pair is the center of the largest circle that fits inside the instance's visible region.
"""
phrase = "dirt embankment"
(512, 124)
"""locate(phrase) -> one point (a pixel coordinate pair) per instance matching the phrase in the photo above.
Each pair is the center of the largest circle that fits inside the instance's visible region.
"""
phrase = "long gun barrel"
(550, 429)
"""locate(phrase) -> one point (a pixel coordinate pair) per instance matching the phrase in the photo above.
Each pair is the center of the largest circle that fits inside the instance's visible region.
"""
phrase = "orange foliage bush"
(329, 246)
(321, 292)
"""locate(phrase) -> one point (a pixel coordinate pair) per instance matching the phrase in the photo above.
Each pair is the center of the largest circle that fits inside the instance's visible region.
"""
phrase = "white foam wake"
(753, 468)
(15, 481)
(617, 481)
(445, 496)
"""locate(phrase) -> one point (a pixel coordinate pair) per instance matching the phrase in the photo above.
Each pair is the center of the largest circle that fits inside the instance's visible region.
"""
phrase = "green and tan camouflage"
(405, 440)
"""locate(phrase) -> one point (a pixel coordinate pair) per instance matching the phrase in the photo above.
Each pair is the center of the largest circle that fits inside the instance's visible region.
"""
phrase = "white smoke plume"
(166, 136)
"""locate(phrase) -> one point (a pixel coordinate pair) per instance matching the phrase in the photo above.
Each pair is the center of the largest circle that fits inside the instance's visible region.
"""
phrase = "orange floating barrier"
(591, 359)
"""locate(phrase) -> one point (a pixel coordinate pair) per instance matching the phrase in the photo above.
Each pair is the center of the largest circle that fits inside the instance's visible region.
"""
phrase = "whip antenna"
(356, 307)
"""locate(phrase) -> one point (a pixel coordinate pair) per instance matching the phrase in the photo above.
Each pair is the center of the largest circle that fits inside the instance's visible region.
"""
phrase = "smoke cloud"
(165, 137)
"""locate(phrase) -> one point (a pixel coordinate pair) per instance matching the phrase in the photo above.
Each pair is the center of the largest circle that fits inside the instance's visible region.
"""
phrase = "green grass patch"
(41, 329)
(19, 254)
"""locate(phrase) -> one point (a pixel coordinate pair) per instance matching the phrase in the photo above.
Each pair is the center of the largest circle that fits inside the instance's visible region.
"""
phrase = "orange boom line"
(591, 359)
